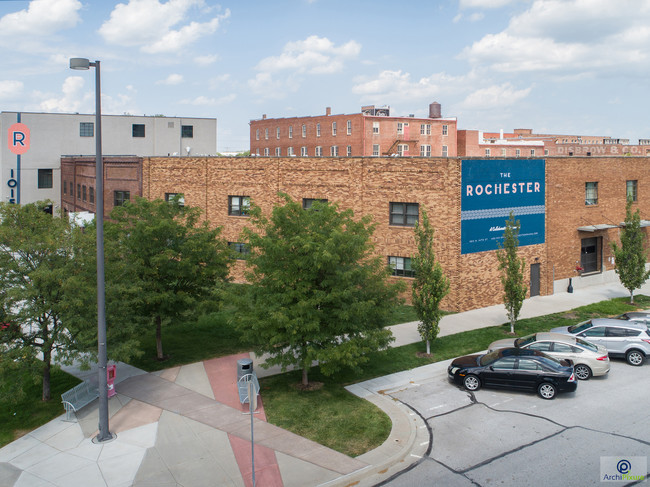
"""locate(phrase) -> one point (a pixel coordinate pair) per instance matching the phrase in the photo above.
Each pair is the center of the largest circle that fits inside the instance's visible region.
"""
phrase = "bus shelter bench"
(242, 387)
(78, 397)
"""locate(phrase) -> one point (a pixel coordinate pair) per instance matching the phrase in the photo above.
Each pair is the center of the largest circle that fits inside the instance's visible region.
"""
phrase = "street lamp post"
(104, 433)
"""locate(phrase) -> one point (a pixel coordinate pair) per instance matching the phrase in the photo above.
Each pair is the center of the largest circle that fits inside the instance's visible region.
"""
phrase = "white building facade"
(35, 174)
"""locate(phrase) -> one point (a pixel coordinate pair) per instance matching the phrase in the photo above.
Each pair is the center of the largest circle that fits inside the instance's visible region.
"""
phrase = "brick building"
(583, 204)
(372, 132)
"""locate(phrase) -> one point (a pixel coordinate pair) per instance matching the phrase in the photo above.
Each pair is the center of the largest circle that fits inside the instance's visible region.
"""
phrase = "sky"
(556, 66)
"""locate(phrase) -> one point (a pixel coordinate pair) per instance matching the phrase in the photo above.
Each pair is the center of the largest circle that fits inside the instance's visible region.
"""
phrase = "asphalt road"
(503, 438)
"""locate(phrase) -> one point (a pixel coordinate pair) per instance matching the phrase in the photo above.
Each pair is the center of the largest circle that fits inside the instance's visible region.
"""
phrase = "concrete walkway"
(185, 427)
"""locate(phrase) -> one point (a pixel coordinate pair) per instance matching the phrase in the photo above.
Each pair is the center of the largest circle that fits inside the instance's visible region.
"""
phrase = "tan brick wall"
(368, 185)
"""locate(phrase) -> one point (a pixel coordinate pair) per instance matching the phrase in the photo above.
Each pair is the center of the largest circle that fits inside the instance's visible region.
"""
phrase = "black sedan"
(514, 368)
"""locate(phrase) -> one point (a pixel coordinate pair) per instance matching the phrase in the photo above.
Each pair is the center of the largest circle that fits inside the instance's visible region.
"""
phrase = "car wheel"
(582, 372)
(635, 357)
(546, 390)
(472, 383)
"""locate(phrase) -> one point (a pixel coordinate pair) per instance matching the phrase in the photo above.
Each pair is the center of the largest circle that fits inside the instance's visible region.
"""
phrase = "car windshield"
(586, 344)
(488, 358)
(523, 341)
(580, 327)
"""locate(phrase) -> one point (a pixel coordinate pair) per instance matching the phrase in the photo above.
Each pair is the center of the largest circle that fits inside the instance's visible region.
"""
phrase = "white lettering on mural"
(502, 188)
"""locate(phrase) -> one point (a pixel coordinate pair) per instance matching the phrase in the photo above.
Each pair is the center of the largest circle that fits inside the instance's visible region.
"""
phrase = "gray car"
(628, 339)
(642, 316)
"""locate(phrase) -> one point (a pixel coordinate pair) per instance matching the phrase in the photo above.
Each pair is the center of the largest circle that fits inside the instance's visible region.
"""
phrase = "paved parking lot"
(494, 437)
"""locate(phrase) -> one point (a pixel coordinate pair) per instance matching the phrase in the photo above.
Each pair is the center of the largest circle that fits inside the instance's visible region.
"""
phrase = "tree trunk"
(632, 296)
(159, 350)
(47, 358)
(305, 371)
(428, 347)
(512, 326)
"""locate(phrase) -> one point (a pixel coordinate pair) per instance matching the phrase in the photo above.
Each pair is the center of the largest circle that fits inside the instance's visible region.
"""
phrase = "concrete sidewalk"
(185, 427)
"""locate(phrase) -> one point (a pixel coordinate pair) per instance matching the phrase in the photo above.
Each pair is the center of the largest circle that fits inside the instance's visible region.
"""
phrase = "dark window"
(541, 346)
(91, 194)
(629, 332)
(44, 178)
(121, 197)
(86, 129)
(308, 202)
(630, 189)
(591, 193)
(404, 214)
(240, 250)
(562, 347)
(171, 196)
(65, 187)
(71, 189)
(78, 190)
(138, 130)
(506, 363)
(401, 266)
(528, 364)
(187, 131)
(83, 192)
(239, 205)
(596, 331)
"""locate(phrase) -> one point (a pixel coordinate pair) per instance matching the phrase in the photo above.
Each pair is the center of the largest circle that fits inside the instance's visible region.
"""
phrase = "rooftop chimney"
(264, 117)
(328, 111)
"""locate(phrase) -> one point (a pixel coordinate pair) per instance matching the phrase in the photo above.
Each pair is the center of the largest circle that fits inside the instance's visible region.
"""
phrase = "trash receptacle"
(110, 379)
(244, 366)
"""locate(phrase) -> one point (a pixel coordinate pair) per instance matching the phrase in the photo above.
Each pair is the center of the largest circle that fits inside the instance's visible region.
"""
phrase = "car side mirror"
(491, 367)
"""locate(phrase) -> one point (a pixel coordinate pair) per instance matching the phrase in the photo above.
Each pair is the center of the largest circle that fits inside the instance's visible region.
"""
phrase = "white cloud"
(41, 18)
(172, 79)
(314, 55)
(495, 96)
(10, 89)
(207, 101)
(485, 4)
(155, 27)
(206, 60)
(73, 98)
(398, 86)
(569, 37)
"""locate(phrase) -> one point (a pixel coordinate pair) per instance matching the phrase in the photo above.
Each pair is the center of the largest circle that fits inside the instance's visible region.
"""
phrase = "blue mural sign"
(491, 189)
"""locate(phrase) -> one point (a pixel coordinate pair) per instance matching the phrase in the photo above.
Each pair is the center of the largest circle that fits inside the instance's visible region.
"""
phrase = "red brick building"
(373, 132)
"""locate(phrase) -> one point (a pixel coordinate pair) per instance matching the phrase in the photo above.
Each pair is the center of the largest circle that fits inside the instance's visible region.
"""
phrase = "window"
(308, 202)
(630, 189)
(348, 151)
(596, 331)
(303, 151)
(266, 134)
(402, 149)
(349, 127)
(86, 129)
(291, 131)
(257, 134)
(532, 152)
(71, 189)
(121, 197)
(503, 152)
(333, 128)
(591, 193)
(545, 152)
(137, 130)
(334, 151)
(425, 150)
(506, 363)
(375, 150)
(240, 250)
(375, 127)
(318, 130)
(319, 151)
(91, 194)
(304, 130)
(487, 152)
(541, 346)
(266, 151)
(425, 129)
(401, 266)
(44, 178)
(400, 128)
(78, 190)
(83, 192)
(528, 364)
(444, 151)
(562, 347)
(445, 130)
(239, 205)
(404, 214)
(277, 133)
(65, 187)
(170, 125)
(290, 151)
(171, 196)
(278, 151)
(187, 131)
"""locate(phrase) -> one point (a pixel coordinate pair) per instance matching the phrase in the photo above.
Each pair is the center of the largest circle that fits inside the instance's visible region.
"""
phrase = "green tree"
(512, 271)
(175, 261)
(430, 285)
(317, 292)
(631, 256)
(36, 261)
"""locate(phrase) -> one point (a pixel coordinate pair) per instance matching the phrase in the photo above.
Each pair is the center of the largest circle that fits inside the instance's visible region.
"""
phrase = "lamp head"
(79, 63)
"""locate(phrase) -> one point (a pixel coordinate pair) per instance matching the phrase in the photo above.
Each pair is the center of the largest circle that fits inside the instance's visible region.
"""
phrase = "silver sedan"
(588, 359)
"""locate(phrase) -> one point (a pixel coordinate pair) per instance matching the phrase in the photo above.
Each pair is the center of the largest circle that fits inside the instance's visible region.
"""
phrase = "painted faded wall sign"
(491, 189)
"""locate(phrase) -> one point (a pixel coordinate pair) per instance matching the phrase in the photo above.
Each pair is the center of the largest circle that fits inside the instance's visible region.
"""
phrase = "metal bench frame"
(242, 387)
(79, 396)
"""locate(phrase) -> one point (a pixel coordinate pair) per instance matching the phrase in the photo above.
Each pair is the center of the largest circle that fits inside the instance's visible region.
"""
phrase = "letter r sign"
(18, 138)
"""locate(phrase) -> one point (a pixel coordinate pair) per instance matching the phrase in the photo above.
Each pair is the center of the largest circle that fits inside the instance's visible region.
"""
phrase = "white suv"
(621, 338)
